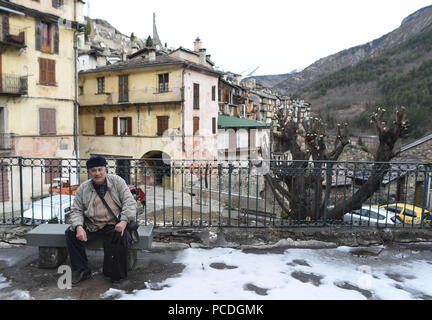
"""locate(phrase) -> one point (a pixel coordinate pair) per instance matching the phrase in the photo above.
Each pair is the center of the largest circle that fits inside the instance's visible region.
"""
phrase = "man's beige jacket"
(82, 208)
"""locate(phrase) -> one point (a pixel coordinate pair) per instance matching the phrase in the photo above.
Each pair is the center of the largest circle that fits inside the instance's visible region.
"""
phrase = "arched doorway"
(155, 167)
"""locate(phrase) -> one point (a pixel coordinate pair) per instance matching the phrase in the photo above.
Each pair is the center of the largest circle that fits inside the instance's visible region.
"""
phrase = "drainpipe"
(183, 106)
(75, 129)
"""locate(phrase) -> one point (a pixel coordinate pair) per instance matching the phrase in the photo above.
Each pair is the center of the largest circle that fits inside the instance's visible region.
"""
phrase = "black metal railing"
(13, 84)
(245, 193)
(11, 35)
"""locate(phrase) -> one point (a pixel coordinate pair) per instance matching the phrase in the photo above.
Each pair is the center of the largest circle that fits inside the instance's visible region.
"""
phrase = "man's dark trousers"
(115, 255)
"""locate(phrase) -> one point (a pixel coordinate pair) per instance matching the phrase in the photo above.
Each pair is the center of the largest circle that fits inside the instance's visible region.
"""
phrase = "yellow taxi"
(409, 214)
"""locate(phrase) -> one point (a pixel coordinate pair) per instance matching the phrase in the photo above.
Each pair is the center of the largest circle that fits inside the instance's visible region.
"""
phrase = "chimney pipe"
(152, 54)
(203, 56)
(197, 45)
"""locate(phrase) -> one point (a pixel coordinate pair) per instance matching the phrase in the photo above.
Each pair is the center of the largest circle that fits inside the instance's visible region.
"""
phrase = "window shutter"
(51, 68)
(4, 183)
(129, 126)
(52, 121)
(38, 34)
(47, 121)
(214, 125)
(56, 38)
(115, 126)
(42, 70)
(162, 125)
(196, 96)
(100, 126)
(5, 24)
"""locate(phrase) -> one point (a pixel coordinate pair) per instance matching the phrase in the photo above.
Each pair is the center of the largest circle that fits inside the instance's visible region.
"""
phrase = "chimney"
(203, 56)
(123, 54)
(152, 54)
(197, 45)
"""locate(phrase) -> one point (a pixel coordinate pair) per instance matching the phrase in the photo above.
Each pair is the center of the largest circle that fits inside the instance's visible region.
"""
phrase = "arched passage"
(155, 167)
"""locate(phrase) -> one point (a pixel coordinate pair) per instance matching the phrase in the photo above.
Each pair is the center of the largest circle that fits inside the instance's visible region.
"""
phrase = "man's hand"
(121, 226)
(81, 234)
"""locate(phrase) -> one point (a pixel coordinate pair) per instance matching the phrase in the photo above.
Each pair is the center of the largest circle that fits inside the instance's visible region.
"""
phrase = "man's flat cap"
(96, 161)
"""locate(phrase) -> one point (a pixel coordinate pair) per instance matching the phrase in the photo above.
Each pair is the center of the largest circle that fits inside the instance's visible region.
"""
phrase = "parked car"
(371, 216)
(409, 214)
(50, 209)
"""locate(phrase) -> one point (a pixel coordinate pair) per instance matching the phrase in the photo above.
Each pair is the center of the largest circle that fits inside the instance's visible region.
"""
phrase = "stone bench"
(51, 240)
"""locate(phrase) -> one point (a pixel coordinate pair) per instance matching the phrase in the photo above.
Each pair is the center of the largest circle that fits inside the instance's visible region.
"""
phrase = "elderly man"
(102, 207)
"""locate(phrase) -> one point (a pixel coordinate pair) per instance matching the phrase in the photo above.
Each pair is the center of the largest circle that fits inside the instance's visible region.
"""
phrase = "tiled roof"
(136, 63)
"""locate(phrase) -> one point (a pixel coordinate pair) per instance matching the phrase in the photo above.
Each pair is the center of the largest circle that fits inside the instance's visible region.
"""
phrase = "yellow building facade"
(38, 91)
(148, 109)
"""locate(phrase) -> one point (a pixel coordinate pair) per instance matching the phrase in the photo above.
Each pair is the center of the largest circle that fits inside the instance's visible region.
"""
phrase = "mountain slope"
(411, 26)
(396, 77)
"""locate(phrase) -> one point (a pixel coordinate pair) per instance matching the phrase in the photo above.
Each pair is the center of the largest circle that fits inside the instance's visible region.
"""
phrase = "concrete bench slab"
(51, 240)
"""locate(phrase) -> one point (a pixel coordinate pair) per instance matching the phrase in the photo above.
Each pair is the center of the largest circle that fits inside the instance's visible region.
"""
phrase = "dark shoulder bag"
(132, 227)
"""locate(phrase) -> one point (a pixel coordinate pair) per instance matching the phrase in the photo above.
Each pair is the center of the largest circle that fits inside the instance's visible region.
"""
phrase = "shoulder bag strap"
(109, 209)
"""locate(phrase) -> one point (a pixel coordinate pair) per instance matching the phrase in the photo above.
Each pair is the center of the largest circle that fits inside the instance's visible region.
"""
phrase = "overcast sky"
(277, 36)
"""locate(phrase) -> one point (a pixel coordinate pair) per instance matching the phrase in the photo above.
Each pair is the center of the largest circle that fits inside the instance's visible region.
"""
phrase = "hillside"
(399, 76)
(411, 26)
(107, 38)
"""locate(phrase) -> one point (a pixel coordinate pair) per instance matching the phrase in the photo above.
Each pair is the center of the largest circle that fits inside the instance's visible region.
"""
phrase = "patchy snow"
(339, 273)
(13, 295)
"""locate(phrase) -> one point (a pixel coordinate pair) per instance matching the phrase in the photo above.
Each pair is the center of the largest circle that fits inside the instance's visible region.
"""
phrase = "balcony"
(13, 85)
(148, 95)
(12, 37)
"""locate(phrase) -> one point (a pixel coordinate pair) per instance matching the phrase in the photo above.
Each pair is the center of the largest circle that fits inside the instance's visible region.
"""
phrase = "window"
(163, 82)
(47, 71)
(195, 125)
(214, 93)
(162, 125)
(196, 88)
(122, 126)
(123, 88)
(100, 126)
(52, 170)
(214, 125)
(57, 3)
(47, 36)
(232, 139)
(101, 85)
(4, 183)
(47, 121)
(81, 90)
(252, 138)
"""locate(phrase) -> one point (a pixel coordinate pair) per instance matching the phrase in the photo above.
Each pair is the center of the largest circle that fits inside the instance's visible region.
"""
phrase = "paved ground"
(169, 273)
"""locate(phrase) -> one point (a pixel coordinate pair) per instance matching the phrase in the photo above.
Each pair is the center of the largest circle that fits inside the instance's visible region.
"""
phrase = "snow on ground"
(230, 274)
(15, 294)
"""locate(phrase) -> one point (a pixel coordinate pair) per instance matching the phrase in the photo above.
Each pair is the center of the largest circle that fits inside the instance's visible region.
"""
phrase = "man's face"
(98, 174)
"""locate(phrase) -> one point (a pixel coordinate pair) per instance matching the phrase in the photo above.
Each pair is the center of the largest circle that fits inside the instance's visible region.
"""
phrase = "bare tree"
(298, 185)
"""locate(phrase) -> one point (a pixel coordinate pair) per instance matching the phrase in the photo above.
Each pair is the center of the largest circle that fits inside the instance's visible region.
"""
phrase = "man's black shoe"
(79, 276)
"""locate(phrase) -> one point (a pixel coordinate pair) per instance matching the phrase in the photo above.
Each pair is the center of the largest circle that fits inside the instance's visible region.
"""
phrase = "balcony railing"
(12, 36)
(145, 95)
(13, 84)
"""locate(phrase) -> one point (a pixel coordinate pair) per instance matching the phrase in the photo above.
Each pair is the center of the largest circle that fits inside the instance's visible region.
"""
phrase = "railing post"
(230, 169)
(21, 189)
(426, 188)
(327, 191)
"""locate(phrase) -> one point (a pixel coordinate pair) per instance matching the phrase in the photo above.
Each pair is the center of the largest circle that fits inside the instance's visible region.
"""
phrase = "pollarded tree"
(298, 185)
